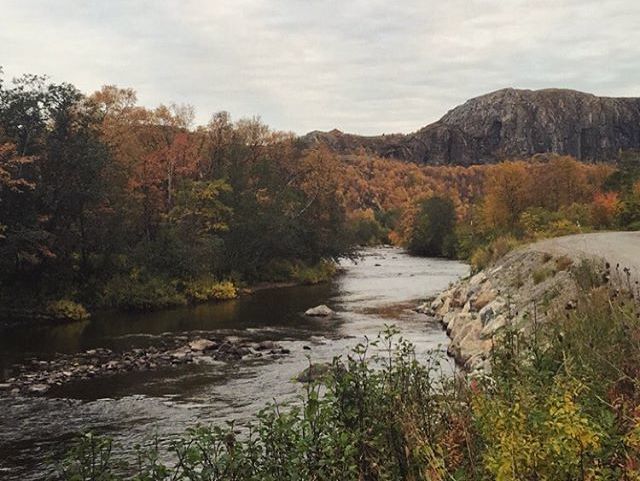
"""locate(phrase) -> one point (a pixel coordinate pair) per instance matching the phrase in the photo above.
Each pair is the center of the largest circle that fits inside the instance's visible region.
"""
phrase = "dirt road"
(618, 248)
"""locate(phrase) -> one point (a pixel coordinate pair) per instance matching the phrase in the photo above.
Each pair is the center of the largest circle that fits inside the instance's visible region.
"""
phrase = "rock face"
(510, 123)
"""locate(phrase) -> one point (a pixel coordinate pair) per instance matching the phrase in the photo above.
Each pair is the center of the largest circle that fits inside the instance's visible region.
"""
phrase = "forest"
(105, 203)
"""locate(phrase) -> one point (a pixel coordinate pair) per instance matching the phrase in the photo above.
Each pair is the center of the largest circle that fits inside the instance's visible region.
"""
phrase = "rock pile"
(39, 376)
(475, 311)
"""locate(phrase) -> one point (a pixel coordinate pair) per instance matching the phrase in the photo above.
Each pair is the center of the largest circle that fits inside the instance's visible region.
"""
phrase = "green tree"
(433, 229)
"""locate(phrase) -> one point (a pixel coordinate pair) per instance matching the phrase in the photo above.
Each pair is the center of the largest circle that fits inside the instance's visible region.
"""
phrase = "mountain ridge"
(509, 123)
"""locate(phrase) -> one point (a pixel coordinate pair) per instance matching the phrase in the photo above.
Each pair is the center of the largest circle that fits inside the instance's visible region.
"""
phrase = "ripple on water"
(376, 290)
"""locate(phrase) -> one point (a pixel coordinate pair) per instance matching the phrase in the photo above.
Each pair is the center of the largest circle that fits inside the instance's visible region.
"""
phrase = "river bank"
(131, 406)
(164, 294)
(528, 285)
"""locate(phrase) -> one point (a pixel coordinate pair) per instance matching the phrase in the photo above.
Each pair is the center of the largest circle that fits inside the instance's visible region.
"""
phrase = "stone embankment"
(520, 290)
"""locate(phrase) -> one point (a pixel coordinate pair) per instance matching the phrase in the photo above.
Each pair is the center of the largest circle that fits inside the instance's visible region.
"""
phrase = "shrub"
(320, 272)
(206, 289)
(560, 403)
(66, 310)
(542, 274)
(283, 270)
(136, 293)
(484, 256)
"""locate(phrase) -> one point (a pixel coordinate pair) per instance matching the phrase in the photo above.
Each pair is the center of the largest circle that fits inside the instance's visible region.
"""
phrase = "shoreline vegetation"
(560, 400)
(167, 294)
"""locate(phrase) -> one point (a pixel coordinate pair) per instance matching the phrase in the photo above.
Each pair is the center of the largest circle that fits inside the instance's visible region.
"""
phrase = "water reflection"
(376, 290)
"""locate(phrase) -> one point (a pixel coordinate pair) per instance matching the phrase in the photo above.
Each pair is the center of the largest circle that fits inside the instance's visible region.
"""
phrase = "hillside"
(510, 123)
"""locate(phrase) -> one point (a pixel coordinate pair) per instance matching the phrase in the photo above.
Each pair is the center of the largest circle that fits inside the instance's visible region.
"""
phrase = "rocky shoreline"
(517, 292)
(37, 377)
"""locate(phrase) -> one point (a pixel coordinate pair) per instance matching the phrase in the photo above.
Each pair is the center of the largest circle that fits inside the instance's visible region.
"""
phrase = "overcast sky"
(363, 66)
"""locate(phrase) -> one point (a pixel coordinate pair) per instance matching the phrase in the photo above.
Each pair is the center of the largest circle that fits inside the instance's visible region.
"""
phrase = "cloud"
(362, 66)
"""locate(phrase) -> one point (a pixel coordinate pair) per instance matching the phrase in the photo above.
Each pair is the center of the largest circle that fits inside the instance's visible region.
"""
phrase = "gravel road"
(621, 248)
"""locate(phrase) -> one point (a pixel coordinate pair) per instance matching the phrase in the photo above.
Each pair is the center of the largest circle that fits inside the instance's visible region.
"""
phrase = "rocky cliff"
(510, 123)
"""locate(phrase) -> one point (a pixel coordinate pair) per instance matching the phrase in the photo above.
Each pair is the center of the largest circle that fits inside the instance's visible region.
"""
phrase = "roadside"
(524, 287)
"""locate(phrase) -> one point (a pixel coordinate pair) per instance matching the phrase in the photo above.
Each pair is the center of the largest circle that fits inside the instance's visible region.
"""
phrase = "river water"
(380, 288)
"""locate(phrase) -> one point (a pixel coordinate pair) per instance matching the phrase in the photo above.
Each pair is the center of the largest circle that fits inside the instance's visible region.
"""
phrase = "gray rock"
(493, 326)
(319, 311)
(491, 310)
(202, 345)
(314, 372)
(266, 346)
(39, 388)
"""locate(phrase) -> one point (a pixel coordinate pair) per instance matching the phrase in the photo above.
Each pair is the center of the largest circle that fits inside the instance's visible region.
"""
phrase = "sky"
(362, 66)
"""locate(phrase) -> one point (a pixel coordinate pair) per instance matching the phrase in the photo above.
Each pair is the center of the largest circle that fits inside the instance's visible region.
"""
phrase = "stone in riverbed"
(319, 311)
(314, 372)
(266, 346)
(180, 353)
(39, 388)
(202, 345)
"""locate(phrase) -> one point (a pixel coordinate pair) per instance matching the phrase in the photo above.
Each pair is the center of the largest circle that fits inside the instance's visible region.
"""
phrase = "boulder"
(493, 326)
(202, 345)
(436, 303)
(464, 324)
(314, 372)
(445, 307)
(319, 311)
(491, 310)
(39, 388)
(448, 321)
(460, 296)
(486, 295)
(478, 279)
(471, 345)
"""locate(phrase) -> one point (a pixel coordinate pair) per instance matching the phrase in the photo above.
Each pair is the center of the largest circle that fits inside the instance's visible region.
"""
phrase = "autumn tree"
(605, 208)
(506, 195)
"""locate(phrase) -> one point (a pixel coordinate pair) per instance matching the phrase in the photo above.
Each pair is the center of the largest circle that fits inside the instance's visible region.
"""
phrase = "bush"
(207, 289)
(323, 271)
(66, 310)
(140, 294)
(383, 415)
(484, 256)
(542, 274)
(283, 270)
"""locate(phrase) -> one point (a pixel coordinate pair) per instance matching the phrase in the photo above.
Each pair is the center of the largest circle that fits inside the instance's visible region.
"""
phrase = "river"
(380, 288)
